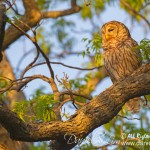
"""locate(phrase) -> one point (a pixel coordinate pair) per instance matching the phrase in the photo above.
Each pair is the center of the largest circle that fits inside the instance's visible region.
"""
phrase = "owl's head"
(114, 30)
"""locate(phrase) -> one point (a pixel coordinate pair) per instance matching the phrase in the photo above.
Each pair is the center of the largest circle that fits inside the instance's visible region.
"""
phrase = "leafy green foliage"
(38, 108)
(94, 46)
(135, 5)
(3, 84)
(147, 97)
(145, 49)
(88, 146)
(21, 109)
(43, 41)
(78, 83)
(90, 8)
(39, 146)
(86, 12)
(44, 108)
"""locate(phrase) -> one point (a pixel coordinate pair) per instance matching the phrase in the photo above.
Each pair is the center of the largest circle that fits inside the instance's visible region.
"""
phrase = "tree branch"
(31, 17)
(55, 14)
(97, 112)
(2, 26)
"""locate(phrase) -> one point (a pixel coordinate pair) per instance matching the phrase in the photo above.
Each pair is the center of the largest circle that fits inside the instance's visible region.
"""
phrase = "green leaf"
(43, 107)
(145, 49)
(83, 54)
(86, 12)
(21, 108)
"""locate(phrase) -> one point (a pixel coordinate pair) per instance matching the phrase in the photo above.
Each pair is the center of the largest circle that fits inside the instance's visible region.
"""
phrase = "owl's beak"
(107, 37)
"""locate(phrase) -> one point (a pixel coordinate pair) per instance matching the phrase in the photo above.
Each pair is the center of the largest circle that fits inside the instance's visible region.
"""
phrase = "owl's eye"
(111, 29)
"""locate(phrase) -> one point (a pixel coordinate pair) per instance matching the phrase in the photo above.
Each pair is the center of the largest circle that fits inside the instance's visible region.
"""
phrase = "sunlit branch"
(55, 14)
(98, 111)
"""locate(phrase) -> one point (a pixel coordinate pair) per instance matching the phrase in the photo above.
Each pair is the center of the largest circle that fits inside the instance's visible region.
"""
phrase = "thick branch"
(56, 14)
(2, 26)
(31, 17)
(99, 111)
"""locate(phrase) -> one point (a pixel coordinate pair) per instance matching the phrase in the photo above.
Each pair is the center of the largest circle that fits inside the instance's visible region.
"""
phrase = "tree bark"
(2, 26)
(97, 112)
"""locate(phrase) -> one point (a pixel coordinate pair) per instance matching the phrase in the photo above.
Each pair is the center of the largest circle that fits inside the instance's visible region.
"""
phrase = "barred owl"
(120, 56)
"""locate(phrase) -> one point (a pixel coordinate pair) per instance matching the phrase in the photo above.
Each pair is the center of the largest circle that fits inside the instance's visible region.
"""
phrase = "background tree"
(41, 34)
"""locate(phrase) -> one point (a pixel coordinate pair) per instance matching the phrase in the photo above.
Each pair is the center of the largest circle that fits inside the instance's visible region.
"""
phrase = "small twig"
(30, 65)
(72, 67)
(63, 82)
(135, 12)
(76, 94)
(46, 58)
(10, 5)
(128, 118)
(87, 3)
(6, 78)
(144, 6)
(20, 83)
(144, 102)
(17, 27)
(33, 31)
(33, 39)
(63, 102)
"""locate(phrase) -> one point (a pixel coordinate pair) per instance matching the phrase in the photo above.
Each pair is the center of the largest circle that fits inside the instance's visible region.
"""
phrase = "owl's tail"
(133, 105)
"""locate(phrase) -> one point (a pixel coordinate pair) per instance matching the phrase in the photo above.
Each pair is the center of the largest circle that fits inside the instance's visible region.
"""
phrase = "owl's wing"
(108, 63)
(110, 75)
(121, 60)
(133, 44)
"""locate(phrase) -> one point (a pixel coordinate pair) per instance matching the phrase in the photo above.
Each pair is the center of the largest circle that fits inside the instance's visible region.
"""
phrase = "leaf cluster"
(39, 108)
(44, 43)
(145, 49)
(94, 45)
(90, 8)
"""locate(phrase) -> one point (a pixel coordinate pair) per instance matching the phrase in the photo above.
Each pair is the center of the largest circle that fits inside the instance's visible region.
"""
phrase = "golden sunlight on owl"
(121, 58)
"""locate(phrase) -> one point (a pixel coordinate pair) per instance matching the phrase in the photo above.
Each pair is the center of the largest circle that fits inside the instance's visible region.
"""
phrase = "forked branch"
(97, 112)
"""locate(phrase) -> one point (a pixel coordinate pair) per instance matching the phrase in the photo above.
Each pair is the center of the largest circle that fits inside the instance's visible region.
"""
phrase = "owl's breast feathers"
(121, 58)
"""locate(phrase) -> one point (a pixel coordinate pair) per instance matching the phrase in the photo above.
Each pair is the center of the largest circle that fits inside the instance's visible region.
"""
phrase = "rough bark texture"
(97, 112)
(2, 26)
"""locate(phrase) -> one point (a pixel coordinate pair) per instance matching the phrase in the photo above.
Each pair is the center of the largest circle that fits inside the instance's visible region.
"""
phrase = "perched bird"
(121, 58)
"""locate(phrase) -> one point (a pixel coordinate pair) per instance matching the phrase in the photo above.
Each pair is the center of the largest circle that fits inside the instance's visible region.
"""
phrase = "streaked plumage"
(120, 55)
